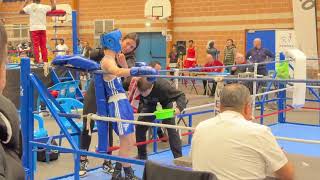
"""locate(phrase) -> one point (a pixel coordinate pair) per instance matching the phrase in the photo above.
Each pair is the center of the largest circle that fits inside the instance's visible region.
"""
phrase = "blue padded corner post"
(281, 103)
(75, 32)
(101, 100)
(26, 115)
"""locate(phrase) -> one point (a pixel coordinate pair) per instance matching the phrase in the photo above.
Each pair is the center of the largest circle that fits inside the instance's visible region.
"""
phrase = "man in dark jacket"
(159, 92)
(258, 54)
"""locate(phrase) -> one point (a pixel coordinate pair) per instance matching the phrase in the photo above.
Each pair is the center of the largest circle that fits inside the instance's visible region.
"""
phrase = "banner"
(285, 39)
(304, 14)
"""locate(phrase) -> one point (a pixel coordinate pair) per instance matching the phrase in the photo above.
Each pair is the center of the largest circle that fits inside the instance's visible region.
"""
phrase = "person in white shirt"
(38, 22)
(234, 148)
(62, 48)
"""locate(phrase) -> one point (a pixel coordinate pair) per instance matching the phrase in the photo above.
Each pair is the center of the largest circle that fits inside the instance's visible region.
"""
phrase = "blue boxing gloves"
(144, 70)
(77, 62)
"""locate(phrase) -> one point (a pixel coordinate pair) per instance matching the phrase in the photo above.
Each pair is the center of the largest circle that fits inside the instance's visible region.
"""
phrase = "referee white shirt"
(234, 148)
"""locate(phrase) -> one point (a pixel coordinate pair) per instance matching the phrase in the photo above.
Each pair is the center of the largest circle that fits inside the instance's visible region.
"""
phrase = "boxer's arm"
(109, 66)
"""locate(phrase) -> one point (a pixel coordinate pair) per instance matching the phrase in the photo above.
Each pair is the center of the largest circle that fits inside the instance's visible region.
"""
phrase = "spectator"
(38, 22)
(10, 135)
(156, 65)
(62, 48)
(173, 58)
(211, 62)
(242, 69)
(12, 51)
(229, 53)
(238, 61)
(11, 48)
(212, 50)
(191, 57)
(233, 147)
(80, 48)
(86, 50)
(258, 54)
(159, 92)
(23, 48)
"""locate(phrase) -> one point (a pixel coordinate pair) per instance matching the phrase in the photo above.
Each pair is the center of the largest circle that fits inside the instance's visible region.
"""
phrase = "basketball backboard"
(157, 9)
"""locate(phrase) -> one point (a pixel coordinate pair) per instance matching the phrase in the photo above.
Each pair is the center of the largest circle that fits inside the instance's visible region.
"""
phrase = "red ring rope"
(114, 148)
(311, 108)
(274, 113)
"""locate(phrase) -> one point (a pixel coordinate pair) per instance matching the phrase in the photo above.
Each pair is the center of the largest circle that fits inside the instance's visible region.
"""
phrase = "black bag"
(52, 154)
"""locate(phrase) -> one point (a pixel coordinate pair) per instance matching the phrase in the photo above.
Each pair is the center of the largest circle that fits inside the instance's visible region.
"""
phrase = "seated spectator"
(239, 60)
(210, 61)
(233, 147)
(23, 48)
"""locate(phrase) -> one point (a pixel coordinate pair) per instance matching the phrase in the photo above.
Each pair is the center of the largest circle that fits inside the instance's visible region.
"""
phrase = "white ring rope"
(315, 87)
(270, 92)
(143, 114)
(96, 117)
(198, 107)
(298, 140)
(101, 118)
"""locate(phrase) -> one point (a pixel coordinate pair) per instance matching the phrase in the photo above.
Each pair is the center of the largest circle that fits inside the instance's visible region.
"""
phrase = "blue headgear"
(111, 40)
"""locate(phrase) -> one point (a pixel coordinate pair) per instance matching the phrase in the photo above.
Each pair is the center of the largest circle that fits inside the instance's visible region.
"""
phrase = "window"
(18, 33)
(101, 26)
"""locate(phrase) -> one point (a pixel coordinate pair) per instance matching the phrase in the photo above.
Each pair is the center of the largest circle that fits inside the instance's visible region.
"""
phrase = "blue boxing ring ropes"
(29, 83)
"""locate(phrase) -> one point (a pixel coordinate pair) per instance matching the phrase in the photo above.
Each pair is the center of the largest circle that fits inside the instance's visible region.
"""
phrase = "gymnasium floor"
(64, 165)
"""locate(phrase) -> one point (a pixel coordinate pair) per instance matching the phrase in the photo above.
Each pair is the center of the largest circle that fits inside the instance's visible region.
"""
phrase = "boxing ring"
(286, 132)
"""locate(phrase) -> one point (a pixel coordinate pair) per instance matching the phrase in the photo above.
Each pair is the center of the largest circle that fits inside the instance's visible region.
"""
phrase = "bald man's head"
(236, 97)
(257, 43)
(240, 58)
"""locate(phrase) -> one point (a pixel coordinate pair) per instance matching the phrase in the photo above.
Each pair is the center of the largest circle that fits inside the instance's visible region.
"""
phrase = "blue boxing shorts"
(118, 107)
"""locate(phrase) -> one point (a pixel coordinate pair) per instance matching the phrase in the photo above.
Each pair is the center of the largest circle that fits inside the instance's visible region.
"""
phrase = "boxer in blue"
(118, 104)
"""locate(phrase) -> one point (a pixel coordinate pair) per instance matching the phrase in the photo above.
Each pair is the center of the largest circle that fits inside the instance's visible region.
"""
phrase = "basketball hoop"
(157, 10)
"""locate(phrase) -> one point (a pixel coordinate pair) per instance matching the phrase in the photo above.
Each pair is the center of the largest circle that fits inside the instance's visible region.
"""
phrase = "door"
(152, 48)
(268, 38)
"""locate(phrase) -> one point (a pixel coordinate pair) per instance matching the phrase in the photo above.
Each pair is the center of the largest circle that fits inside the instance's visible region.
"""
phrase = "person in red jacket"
(210, 61)
(191, 57)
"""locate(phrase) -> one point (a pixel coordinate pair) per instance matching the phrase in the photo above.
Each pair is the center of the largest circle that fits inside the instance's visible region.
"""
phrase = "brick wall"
(223, 19)
(10, 12)
(200, 20)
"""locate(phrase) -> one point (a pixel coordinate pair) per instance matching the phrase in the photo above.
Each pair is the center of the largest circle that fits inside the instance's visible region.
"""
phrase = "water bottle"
(159, 107)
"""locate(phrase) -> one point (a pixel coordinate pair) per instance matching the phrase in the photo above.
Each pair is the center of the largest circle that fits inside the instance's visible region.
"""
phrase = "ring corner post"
(190, 125)
(75, 32)
(281, 103)
(26, 115)
(101, 102)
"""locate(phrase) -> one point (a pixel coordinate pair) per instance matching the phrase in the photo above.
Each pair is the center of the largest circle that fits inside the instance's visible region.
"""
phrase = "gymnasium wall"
(15, 18)
(200, 20)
